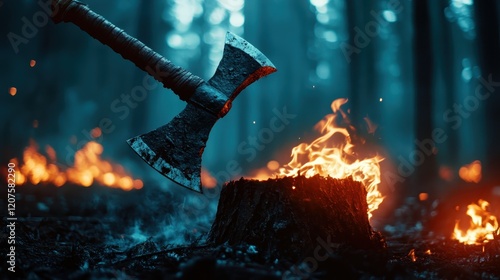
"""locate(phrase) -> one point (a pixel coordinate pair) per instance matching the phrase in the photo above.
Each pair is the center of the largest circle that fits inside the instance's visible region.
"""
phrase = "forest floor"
(76, 243)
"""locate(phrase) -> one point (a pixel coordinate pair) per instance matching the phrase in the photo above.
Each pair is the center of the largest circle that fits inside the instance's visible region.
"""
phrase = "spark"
(96, 132)
(423, 196)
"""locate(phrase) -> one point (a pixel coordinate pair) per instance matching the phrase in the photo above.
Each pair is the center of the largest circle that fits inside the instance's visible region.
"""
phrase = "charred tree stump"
(289, 217)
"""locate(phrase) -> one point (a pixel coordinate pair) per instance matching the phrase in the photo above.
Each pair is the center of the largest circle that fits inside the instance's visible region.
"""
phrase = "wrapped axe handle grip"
(181, 81)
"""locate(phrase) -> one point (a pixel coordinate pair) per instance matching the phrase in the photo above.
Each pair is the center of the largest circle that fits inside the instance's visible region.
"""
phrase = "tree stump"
(290, 217)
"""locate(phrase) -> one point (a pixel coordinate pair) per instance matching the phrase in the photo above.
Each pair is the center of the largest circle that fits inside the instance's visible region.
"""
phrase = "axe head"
(175, 149)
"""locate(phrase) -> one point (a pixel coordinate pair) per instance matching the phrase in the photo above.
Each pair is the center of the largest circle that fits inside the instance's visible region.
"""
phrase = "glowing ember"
(96, 133)
(446, 173)
(13, 91)
(332, 155)
(266, 172)
(207, 180)
(471, 172)
(423, 196)
(483, 226)
(273, 165)
(87, 169)
(32, 63)
(412, 255)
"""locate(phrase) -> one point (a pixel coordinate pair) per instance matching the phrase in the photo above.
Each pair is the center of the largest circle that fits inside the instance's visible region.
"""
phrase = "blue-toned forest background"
(420, 70)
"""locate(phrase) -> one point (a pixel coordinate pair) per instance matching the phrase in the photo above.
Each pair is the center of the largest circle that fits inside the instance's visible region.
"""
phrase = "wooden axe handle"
(181, 81)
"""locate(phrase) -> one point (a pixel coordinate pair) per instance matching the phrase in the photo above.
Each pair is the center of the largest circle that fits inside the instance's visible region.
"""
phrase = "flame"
(87, 169)
(471, 172)
(265, 173)
(483, 226)
(332, 155)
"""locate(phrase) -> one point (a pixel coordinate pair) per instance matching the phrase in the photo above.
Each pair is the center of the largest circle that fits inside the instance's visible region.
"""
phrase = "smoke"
(170, 216)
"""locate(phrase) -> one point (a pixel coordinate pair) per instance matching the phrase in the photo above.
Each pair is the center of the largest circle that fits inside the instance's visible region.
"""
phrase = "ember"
(207, 180)
(471, 172)
(88, 167)
(412, 256)
(483, 226)
(327, 156)
(13, 91)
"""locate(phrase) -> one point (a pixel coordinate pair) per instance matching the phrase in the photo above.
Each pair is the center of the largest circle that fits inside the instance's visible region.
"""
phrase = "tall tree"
(426, 168)
(487, 21)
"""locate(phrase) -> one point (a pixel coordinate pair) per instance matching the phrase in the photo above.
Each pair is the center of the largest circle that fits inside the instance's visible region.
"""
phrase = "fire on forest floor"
(88, 167)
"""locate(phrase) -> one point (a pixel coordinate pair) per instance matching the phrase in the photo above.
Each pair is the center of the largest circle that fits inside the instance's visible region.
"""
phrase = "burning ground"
(95, 220)
(109, 233)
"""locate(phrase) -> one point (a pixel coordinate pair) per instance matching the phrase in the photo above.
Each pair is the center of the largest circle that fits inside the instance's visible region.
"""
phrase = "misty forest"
(412, 85)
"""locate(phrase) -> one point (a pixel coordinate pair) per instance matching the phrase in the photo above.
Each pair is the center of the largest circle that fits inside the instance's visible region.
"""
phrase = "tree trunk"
(488, 38)
(288, 218)
(426, 166)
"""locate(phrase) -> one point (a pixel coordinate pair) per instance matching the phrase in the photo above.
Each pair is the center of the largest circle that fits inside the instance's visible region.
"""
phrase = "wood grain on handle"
(181, 81)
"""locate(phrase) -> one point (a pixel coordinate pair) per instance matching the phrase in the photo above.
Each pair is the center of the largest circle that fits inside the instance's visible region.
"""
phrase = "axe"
(175, 149)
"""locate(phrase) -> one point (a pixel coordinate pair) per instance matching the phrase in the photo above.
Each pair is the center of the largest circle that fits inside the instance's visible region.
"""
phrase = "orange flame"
(471, 172)
(267, 172)
(483, 226)
(87, 169)
(327, 156)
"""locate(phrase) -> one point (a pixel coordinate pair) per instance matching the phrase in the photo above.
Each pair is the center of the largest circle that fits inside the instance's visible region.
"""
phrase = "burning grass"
(88, 168)
(483, 225)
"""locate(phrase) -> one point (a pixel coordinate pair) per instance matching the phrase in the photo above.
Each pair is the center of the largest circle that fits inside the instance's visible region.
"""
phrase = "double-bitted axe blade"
(175, 149)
